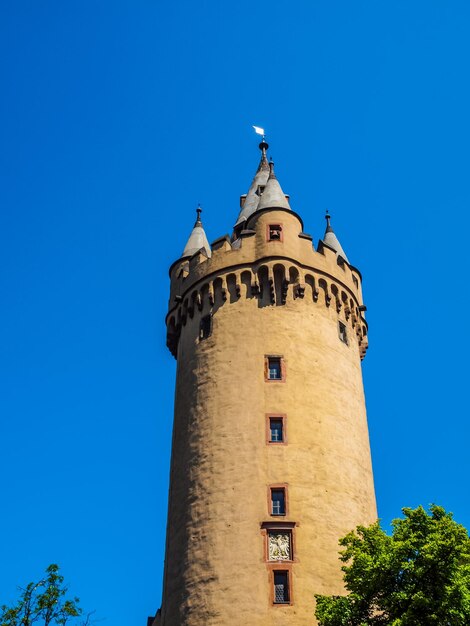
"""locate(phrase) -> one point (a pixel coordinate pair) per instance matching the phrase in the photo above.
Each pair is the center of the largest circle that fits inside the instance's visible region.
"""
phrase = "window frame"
(342, 327)
(270, 227)
(282, 417)
(278, 487)
(288, 572)
(281, 359)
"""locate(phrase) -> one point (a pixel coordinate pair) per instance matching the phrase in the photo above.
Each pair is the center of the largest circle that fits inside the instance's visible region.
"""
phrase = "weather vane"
(259, 131)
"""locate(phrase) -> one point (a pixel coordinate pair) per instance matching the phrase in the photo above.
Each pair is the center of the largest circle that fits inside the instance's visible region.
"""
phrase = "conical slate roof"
(331, 239)
(261, 178)
(273, 197)
(197, 239)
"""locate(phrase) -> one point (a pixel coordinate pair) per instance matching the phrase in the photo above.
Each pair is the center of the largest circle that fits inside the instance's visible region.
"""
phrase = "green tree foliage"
(418, 576)
(44, 603)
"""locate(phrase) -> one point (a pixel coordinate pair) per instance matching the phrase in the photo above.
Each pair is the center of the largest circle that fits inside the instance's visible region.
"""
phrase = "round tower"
(270, 460)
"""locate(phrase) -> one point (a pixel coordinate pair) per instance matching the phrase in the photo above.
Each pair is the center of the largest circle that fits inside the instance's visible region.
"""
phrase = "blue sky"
(117, 118)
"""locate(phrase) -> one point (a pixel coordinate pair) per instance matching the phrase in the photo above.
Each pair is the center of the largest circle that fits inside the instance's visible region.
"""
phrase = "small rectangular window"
(281, 587)
(274, 232)
(276, 430)
(343, 334)
(274, 368)
(205, 327)
(278, 501)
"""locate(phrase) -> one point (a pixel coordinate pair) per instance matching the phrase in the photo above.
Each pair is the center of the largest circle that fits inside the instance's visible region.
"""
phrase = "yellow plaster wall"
(215, 572)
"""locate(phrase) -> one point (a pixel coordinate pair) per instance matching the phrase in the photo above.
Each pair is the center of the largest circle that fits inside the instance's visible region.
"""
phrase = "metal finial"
(263, 146)
(271, 169)
(198, 211)
(328, 218)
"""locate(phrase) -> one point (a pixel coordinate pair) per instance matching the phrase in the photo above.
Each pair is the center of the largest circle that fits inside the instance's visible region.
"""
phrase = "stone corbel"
(284, 290)
(299, 290)
(272, 294)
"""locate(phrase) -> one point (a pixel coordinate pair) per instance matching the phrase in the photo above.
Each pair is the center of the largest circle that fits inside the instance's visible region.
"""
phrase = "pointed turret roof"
(331, 239)
(253, 196)
(273, 197)
(197, 239)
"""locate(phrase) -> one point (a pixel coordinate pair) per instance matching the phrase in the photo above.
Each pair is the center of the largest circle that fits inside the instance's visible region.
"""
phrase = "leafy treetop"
(44, 603)
(418, 576)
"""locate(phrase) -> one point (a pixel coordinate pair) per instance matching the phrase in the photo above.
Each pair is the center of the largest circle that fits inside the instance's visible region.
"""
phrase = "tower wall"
(265, 298)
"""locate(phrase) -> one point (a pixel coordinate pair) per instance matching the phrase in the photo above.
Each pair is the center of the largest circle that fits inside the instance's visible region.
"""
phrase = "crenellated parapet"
(274, 282)
(283, 272)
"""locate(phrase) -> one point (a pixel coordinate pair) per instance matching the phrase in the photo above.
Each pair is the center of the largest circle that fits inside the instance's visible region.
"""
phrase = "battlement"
(273, 282)
(254, 245)
(275, 272)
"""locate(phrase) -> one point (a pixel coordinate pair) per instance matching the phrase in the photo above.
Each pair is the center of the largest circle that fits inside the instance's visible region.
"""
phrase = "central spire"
(265, 191)
(251, 200)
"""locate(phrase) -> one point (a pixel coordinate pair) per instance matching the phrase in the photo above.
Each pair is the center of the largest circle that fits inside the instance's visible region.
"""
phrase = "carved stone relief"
(279, 546)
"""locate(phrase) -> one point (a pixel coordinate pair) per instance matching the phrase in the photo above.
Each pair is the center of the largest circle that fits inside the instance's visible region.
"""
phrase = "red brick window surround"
(281, 586)
(274, 232)
(274, 368)
(276, 429)
(279, 542)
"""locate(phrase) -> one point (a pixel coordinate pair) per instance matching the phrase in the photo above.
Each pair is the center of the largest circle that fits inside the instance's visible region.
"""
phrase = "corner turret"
(273, 196)
(197, 239)
(331, 240)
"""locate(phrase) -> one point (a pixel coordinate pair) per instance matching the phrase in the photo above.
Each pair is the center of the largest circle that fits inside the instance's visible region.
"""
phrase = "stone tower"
(270, 459)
